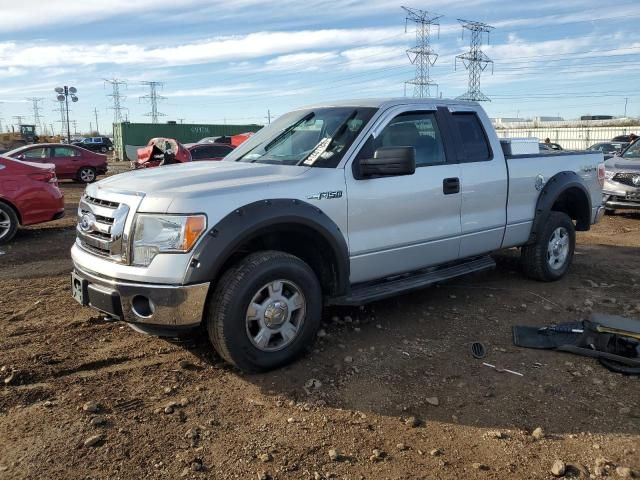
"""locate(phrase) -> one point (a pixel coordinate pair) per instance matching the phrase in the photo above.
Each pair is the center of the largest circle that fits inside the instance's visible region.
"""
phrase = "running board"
(371, 292)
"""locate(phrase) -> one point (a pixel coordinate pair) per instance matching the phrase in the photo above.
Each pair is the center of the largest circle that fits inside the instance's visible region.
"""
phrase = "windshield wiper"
(288, 130)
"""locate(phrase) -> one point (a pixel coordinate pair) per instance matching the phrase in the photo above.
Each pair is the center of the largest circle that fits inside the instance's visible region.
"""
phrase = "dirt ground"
(84, 398)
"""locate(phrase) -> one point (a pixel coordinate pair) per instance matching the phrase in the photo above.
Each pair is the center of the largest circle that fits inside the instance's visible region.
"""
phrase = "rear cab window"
(472, 140)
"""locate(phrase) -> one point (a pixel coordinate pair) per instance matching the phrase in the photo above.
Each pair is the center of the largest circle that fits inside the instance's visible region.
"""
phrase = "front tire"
(8, 223)
(549, 258)
(87, 175)
(265, 311)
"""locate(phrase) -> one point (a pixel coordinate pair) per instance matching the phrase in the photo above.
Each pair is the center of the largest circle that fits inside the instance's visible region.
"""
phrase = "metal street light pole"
(63, 96)
(66, 101)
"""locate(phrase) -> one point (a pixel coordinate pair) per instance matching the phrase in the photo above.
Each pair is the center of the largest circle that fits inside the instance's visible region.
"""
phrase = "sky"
(240, 61)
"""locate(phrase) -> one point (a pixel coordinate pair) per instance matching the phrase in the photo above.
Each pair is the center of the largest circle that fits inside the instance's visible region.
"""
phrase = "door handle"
(451, 185)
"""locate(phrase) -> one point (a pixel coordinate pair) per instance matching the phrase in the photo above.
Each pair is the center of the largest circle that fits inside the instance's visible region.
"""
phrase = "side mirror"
(389, 162)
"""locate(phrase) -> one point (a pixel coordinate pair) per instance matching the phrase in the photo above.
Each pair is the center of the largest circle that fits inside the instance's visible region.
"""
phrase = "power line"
(422, 55)
(153, 98)
(37, 118)
(95, 112)
(475, 60)
(117, 98)
(19, 119)
(63, 120)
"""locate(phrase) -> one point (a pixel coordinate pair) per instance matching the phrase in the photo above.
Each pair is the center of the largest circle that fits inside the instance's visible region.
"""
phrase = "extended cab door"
(483, 181)
(398, 224)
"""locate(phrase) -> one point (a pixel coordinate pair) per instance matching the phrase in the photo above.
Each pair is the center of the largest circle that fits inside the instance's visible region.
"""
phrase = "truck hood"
(165, 185)
(619, 163)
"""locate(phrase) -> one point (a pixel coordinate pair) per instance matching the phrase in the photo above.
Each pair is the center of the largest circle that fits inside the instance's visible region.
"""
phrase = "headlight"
(608, 175)
(165, 233)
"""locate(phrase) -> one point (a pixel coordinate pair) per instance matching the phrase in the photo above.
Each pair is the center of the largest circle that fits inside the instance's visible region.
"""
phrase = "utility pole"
(153, 99)
(63, 119)
(95, 112)
(268, 117)
(37, 118)
(475, 60)
(181, 120)
(116, 98)
(75, 126)
(19, 119)
(422, 55)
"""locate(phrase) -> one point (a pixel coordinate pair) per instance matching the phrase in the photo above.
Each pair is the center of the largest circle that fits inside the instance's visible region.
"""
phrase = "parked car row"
(165, 151)
(29, 192)
(70, 161)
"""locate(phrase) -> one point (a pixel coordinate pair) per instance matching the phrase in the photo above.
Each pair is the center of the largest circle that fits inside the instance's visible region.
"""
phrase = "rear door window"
(472, 139)
(59, 152)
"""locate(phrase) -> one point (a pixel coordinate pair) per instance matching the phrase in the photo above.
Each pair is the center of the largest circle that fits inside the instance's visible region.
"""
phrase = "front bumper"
(625, 201)
(142, 304)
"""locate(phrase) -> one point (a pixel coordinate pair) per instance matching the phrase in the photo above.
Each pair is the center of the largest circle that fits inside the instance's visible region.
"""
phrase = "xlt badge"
(326, 195)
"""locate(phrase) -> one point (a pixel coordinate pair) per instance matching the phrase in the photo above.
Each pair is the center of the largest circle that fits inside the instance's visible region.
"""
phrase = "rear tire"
(8, 223)
(103, 149)
(265, 311)
(87, 175)
(549, 258)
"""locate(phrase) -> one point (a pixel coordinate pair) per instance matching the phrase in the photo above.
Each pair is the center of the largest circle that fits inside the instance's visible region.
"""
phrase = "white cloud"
(223, 49)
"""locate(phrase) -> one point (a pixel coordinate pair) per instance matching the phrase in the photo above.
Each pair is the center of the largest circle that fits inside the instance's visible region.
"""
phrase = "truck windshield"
(314, 137)
(633, 152)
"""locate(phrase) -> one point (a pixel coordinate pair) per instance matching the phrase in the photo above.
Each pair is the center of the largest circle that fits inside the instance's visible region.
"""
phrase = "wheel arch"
(287, 225)
(564, 192)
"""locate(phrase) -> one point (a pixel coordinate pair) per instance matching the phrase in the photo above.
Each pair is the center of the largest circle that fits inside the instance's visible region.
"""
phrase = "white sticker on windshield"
(319, 150)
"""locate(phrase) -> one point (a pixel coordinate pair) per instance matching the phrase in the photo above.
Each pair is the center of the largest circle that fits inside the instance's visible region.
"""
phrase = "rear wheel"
(8, 223)
(103, 149)
(550, 257)
(264, 311)
(87, 174)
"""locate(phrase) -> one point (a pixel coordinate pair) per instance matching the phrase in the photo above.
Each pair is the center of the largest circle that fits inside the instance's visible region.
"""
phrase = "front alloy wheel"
(558, 248)
(275, 315)
(265, 311)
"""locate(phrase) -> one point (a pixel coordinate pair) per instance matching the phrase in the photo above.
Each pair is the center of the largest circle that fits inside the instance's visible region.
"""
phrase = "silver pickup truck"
(336, 204)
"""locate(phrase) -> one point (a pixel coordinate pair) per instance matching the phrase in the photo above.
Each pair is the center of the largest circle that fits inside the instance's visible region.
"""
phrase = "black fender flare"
(556, 186)
(250, 221)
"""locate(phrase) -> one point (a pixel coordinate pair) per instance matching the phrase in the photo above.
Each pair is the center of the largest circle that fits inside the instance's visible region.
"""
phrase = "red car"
(71, 162)
(29, 194)
(209, 151)
(161, 151)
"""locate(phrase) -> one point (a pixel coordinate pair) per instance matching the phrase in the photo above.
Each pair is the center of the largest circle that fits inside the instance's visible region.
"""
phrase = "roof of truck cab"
(388, 102)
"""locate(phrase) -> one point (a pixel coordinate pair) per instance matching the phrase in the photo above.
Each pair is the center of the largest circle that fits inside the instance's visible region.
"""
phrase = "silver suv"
(622, 180)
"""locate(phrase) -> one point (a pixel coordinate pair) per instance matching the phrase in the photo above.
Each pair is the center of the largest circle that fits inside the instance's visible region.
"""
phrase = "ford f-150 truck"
(336, 204)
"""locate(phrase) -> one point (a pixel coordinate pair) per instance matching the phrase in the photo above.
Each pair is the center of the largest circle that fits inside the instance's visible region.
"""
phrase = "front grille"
(627, 178)
(101, 202)
(100, 229)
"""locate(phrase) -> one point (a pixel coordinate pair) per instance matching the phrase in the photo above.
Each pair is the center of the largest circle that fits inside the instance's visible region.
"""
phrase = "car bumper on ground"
(141, 304)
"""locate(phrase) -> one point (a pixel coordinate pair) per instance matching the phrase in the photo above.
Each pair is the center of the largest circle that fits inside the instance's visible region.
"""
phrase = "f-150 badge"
(326, 195)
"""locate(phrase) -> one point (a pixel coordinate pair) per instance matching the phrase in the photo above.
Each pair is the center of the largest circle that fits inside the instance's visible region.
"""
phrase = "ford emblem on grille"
(87, 221)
